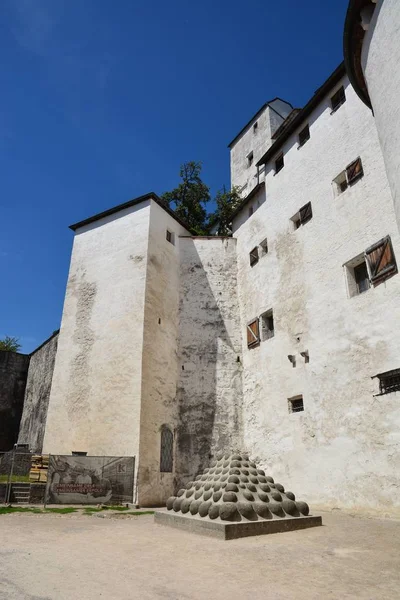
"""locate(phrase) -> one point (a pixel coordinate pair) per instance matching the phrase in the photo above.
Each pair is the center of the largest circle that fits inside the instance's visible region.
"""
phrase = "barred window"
(295, 404)
(389, 382)
(166, 450)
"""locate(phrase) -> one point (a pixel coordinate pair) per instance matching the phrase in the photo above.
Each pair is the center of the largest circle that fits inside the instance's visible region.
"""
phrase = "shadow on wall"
(13, 374)
(209, 392)
(37, 394)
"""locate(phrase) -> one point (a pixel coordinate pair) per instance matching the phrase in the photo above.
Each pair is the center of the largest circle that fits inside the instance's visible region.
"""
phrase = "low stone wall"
(13, 374)
(37, 394)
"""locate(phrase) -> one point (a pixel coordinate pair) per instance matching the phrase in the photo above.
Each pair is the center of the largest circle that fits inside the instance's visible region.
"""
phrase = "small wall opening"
(170, 237)
(267, 325)
(296, 404)
(264, 247)
(166, 450)
(357, 276)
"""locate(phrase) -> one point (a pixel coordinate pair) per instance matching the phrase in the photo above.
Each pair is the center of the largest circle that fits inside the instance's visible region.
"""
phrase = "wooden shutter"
(253, 333)
(354, 170)
(305, 213)
(381, 260)
(254, 256)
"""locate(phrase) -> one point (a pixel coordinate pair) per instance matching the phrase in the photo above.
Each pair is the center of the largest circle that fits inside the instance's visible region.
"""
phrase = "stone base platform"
(230, 531)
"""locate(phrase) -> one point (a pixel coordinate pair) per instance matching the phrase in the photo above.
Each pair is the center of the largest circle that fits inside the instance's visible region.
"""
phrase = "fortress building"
(281, 340)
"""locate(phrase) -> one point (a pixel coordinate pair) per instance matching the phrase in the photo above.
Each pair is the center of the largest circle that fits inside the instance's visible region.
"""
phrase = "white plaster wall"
(380, 62)
(160, 360)
(257, 142)
(96, 391)
(209, 393)
(343, 450)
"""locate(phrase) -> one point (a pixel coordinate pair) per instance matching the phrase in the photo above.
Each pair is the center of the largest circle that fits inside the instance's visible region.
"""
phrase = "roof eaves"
(129, 204)
(285, 123)
(353, 36)
(319, 95)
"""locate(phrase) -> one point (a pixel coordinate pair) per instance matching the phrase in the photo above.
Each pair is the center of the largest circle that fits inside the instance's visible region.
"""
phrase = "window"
(338, 99)
(303, 216)
(354, 171)
(255, 127)
(78, 453)
(170, 236)
(357, 276)
(375, 265)
(381, 261)
(361, 277)
(295, 404)
(267, 325)
(253, 333)
(340, 183)
(304, 135)
(166, 450)
(292, 359)
(250, 157)
(389, 381)
(254, 256)
(279, 163)
(350, 175)
(264, 246)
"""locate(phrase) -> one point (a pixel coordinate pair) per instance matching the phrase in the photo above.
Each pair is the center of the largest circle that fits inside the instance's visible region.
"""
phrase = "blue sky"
(102, 101)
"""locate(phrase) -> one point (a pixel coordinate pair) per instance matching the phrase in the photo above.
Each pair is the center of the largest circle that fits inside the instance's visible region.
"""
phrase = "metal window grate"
(296, 404)
(167, 450)
(389, 381)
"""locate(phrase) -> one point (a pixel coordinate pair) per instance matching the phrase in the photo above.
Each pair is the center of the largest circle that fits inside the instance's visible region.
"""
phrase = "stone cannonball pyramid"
(234, 490)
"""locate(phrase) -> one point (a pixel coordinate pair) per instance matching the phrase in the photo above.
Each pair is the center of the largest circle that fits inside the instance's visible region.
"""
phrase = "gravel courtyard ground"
(65, 557)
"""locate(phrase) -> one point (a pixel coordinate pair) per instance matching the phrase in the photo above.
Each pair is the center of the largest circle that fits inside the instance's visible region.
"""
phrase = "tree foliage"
(227, 201)
(190, 198)
(10, 343)
(189, 201)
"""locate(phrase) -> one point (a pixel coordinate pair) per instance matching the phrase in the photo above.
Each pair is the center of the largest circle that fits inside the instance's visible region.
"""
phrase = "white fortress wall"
(160, 357)
(209, 393)
(96, 390)
(343, 450)
(380, 62)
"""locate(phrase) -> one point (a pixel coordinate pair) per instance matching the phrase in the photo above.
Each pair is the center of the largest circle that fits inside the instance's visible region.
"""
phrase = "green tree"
(226, 202)
(10, 343)
(190, 198)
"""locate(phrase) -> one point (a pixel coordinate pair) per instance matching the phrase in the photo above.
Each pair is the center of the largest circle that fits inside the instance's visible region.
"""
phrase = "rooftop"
(258, 113)
(129, 204)
(353, 37)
